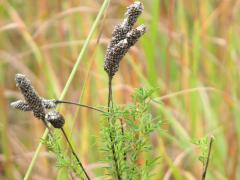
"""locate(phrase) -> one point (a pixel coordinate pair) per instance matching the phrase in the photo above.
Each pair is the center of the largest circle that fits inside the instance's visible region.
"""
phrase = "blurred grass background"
(191, 52)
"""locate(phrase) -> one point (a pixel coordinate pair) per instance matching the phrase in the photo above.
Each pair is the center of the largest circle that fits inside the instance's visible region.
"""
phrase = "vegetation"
(186, 63)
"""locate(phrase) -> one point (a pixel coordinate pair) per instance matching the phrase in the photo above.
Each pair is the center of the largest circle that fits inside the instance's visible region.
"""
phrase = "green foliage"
(63, 160)
(129, 127)
(203, 145)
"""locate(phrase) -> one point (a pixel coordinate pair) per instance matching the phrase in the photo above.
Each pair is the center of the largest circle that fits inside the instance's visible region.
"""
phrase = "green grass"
(190, 52)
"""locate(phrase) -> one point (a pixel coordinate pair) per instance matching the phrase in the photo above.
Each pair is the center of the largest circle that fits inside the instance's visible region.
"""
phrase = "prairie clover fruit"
(123, 38)
(33, 102)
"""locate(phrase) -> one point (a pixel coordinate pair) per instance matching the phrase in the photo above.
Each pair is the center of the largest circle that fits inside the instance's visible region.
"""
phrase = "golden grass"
(191, 53)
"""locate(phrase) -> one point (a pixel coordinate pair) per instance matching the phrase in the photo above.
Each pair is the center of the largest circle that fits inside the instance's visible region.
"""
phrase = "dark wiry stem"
(109, 92)
(208, 157)
(74, 153)
(82, 105)
(110, 135)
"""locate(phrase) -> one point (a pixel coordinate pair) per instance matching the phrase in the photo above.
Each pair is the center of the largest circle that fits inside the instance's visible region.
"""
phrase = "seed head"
(31, 97)
(21, 105)
(133, 12)
(33, 102)
(123, 37)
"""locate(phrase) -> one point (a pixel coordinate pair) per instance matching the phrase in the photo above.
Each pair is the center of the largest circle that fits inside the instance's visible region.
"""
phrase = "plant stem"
(30, 167)
(78, 104)
(122, 130)
(74, 153)
(109, 92)
(208, 157)
(84, 48)
(47, 131)
(73, 72)
(109, 123)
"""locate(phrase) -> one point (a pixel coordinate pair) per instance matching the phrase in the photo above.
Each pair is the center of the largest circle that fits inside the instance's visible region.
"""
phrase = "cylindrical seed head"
(133, 12)
(123, 37)
(30, 95)
(115, 54)
(21, 105)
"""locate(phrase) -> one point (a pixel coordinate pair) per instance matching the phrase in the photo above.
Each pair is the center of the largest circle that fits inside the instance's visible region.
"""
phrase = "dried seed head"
(114, 57)
(123, 37)
(21, 105)
(135, 34)
(55, 118)
(33, 102)
(120, 31)
(30, 95)
(133, 12)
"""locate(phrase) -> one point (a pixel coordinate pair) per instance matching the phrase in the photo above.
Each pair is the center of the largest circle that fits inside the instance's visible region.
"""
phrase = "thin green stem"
(110, 124)
(93, 28)
(208, 158)
(71, 76)
(122, 129)
(30, 167)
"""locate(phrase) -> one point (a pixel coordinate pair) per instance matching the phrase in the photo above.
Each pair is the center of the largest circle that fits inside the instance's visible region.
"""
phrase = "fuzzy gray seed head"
(123, 37)
(133, 12)
(30, 95)
(135, 34)
(21, 105)
(38, 105)
(135, 9)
